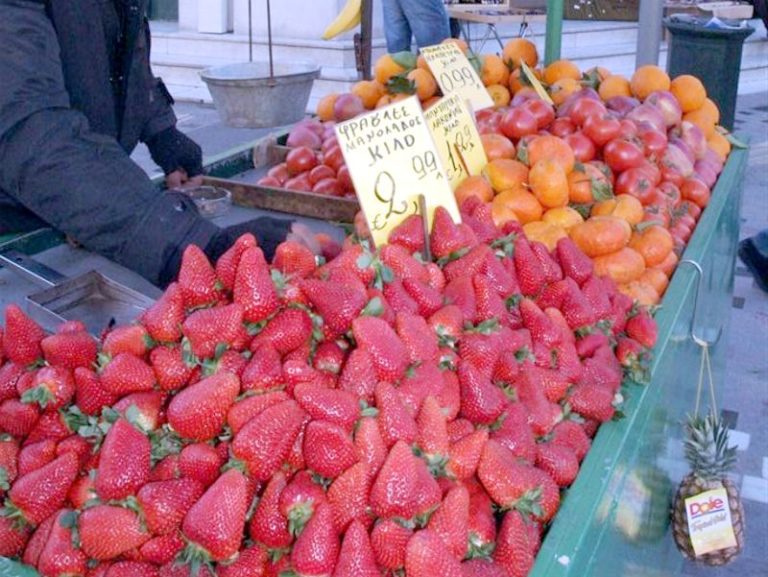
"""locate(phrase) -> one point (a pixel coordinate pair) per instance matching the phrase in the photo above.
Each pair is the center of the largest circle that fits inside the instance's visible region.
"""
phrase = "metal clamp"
(692, 332)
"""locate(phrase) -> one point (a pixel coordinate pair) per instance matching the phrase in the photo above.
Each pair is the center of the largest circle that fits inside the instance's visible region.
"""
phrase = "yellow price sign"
(535, 84)
(392, 159)
(456, 75)
(458, 141)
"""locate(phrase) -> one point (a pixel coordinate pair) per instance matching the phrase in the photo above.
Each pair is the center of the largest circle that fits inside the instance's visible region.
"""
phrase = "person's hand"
(180, 179)
(178, 155)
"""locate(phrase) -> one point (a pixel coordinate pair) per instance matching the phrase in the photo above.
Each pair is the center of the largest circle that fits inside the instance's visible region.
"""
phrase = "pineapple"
(706, 449)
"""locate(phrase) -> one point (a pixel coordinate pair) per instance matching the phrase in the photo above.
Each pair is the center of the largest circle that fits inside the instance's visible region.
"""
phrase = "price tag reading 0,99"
(392, 160)
(456, 75)
(457, 138)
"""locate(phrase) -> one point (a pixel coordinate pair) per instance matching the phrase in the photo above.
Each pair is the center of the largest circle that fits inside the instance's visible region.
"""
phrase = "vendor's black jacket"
(76, 96)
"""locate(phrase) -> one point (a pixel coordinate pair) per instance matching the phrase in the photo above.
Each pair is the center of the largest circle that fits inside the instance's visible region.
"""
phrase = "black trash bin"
(711, 54)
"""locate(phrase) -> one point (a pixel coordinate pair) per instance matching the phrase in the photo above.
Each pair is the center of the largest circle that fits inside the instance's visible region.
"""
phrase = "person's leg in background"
(397, 30)
(753, 252)
(428, 20)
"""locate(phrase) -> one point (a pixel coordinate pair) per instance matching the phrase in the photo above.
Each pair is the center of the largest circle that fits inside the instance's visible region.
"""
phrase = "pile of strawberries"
(372, 415)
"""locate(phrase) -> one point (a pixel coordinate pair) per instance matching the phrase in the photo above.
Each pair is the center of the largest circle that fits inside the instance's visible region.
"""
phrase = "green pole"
(554, 32)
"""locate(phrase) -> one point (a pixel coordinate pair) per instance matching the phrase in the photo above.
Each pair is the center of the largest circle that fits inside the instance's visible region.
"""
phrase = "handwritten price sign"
(392, 160)
(457, 139)
(456, 75)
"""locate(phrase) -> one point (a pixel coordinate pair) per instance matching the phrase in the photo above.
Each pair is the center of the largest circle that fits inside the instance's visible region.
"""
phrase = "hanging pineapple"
(707, 514)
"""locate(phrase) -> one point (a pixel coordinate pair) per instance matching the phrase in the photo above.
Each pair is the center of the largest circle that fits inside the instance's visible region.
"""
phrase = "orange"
(545, 233)
(520, 50)
(623, 206)
(647, 79)
(499, 94)
(388, 99)
(582, 181)
(421, 62)
(656, 278)
(562, 89)
(705, 118)
(712, 108)
(641, 292)
(460, 42)
(325, 107)
(669, 264)
(426, 86)
(551, 148)
(601, 235)
(369, 92)
(560, 69)
(515, 84)
(494, 71)
(476, 186)
(653, 243)
(385, 68)
(601, 72)
(505, 173)
(719, 144)
(565, 217)
(615, 85)
(549, 183)
(522, 203)
(497, 146)
(502, 211)
(689, 91)
(623, 266)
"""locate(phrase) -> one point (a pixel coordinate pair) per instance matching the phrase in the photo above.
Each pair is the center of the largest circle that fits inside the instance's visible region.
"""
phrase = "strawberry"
(200, 462)
(332, 405)
(568, 362)
(451, 521)
(559, 461)
(359, 375)
(458, 429)
(389, 541)
(395, 422)
(9, 467)
(427, 299)
(78, 445)
(265, 441)
(207, 328)
(51, 388)
(409, 234)
(171, 372)
(398, 298)
(541, 327)
(164, 318)
(82, 491)
(132, 569)
(596, 294)
(59, 556)
(254, 290)
(296, 371)
(268, 526)
(2, 352)
(356, 558)
(427, 555)
(299, 499)
(200, 411)
(461, 292)
(575, 264)
(293, 259)
(22, 338)
(552, 270)
(166, 469)
(124, 462)
(264, 371)
(402, 263)
(10, 373)
(12, 538)
(165, 503)
(592, 401)
(214, 525)
(131, 339)
(329, 357)
(481, 401)
(69, 350)
(570, 434)
(432, 436)
(162, 549)
(514, 547)
(338, 304)
(328, 449)
(446, 236)
(197, 279)
(395, 491)
(226, 265)
(251, 562)
(36, 495)
(515, 433)
(481, 524)
(465, 454)
(553, 295)
(447, 323)
(349, 496)
(472, 263)
(370, 445)
(420, 382)
(107, 531)
(489, 304)
(389, 354)
(450, 396)
(589, 344)
(36, 455)
(530, 273)
(482, 224)
(316, 550)
(482, 568)
(642, 328)
(419, 340)
(286, 331)
(126, 374)
(576, 308)
(36, 542)
(511, 484)
(144, 410)
(90, 396)
(250, 406)
(480, 349)
(621, 308)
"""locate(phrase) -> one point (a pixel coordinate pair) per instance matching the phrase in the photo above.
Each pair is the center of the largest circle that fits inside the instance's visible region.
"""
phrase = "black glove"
(172, 150)
(270, 232)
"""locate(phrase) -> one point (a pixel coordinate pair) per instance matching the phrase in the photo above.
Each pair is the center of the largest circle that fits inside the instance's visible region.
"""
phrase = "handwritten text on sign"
(457, 139)
(456, 75)
(392, 160)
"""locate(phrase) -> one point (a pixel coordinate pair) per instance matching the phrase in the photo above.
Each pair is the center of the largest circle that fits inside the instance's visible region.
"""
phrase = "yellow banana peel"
(348, 18)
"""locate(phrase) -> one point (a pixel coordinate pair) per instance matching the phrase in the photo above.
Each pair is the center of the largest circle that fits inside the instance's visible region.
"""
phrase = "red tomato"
(543, 112)
(671, 193)
(693, 209)
(300, 183)
(334, 158)
(653, 172)
(562, 127)
(696, 191)
(657, 213)
(270, 181)
(583, 148)
(301, 159)
(680, 232)
(585, 107)
(345, 179)
(279, 172)
(628, 128)
(669, 174)
(637, 183)
(601, 128)
(329, 186)
(622, 155)
(319, 173)
(329, 143)
(518, 122)
(654, 142)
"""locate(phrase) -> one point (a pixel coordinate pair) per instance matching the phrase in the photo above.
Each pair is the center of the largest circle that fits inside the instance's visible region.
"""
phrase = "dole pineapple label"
(457, 139)
(709, 522)
(456, 75)
(392, 159)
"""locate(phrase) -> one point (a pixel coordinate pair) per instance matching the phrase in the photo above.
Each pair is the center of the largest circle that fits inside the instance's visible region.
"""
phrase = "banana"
(348, 18)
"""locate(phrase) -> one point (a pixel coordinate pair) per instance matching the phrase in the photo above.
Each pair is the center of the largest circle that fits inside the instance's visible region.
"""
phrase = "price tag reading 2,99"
(392, 160)
(456, 75)
(457, 139)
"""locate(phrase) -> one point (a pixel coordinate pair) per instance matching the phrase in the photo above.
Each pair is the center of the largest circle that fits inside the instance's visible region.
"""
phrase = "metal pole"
(269, 41)
(363, 41)
(649, 30)
(554, 33)
(250, 31)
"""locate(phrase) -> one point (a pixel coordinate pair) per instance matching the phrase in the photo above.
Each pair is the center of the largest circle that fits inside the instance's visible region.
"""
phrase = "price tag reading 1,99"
(456, 75)
(457, 139)
(392, 160)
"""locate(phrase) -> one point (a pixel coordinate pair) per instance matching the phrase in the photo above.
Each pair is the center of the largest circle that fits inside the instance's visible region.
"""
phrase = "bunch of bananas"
(348, 18)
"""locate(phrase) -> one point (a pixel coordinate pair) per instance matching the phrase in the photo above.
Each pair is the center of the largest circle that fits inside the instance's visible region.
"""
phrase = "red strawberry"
(389, 541)
(207, 328)
(10, 373)
(389, 354)
(251, 562)
(481, 348)
(420, 341)
(370, 445)
(90, 396)
(396, 490)
(163, 549)
(395, 422)
(197, 279)
(559, 461)
(356, 558)
(575, 264)
(201, 462)
(447, 323)
(481, 525)
(489, 304)
(21, 341)
(465, 454)
(482, 568)
(621, 308)
(316, 550)
(446, 236)
(427, 556)
(553, 295)
(472, 263)
(165, 503)
(250, 406)
(200, 411)
(427, 298)
(226, 265)
(107, 531)
(450, 397)
(214, 525)
(509, 483)
(82, 491)
(332, 405)
(420, 382)
(329, 357)
(36, 455)
(9, 456)
(349, 496)
(59, 556)
(294, 259)
(359, 375)
(398, 298)
(530, 273)
(328, 449)
(576, 308)
(458, 429)
(51, 388)
(268, 526)
(589, 344)
(541, 327)
(299, 500)
(481, 401)
(50, 425)
(451, 521)
(264, 371)
(164, 318)
(265, 441)
(143, 409)
(570, 434)
(409, 234)
(595, 292)
(287, 331)
(642, 328)
(35, 496)
(171, 372)
(592, 401)
(36, 542)
(552, 270)
(338, 304)
(166, 469)
(253, 289)
(132, 569)
(12, 538)
(402, 263)
(515, 433)
(461, 292)
(124, 462)
(432, 436)
(127, 374)
(132, 339)
(515, 549)
(69, 350)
